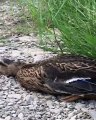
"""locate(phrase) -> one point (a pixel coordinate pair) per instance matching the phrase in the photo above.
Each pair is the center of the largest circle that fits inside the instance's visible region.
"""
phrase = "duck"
(68, 77)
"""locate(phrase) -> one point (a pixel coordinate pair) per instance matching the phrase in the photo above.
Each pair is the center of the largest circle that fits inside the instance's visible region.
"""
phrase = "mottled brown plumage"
(50, 76)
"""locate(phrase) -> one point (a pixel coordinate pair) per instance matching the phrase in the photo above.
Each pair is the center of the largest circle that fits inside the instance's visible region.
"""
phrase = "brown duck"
(70, 77)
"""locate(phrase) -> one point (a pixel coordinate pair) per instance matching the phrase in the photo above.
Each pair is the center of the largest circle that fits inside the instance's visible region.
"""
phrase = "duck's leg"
(69, 98)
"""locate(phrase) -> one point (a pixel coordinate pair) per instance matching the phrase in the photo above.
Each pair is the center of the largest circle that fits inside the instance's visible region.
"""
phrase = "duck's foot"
(69, 98)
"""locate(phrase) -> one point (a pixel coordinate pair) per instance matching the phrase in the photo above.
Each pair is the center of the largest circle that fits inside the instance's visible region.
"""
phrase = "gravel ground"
(15, 102)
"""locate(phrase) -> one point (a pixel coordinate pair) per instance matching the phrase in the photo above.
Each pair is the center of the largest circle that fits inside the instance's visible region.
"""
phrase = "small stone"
(55, 110)
(49, 103)
(1, 102)
(8, 118)
(16, 39)
(10, 103)
(1, 81)
(73, 118)
(14, 115)
(4, 97)
(32, 107)
(79, 106)
(14, 96)
(38, 116)
(92, 113)
(21, 116)
(13, 112)
(17, 53)
(59, 116)
(16, 86)
(25, 38)
(2, 119)
(1, 106)
(28, 99)
(70, 115)
(5, 88)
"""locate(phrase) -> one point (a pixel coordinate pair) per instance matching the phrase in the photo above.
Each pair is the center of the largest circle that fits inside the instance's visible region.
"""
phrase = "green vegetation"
(3, 41)
(65, 25)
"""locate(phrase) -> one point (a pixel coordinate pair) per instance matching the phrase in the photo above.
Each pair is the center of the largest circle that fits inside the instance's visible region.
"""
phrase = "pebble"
(2, 119)
(1, 106)
(14, 115)
(20, 116)
(92, 113)
(13, 111)
(73, 118)
(8, 118)
(14, 96)
(49, 103)
(32, 107)
(28, 99)
(1, 102)
(79, 106)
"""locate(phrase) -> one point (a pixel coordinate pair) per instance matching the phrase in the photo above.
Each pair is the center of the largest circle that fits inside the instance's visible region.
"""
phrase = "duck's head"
(10, 68)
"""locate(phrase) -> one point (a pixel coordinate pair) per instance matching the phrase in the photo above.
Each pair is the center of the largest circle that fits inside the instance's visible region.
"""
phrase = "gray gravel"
(18, 104)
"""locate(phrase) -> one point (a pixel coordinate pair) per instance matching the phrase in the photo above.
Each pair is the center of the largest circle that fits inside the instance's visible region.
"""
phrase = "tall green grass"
(65, 25)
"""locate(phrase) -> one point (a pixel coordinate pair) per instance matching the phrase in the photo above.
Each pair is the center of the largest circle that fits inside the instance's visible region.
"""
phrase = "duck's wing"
(75, 65)
(74, 89)
(76, 86)
(86, 84)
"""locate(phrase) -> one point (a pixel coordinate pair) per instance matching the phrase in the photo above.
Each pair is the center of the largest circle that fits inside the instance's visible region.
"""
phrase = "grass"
(3, 41)
(65, 25)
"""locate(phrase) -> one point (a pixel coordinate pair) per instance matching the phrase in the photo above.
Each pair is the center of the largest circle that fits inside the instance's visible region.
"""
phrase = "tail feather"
(62, 88)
